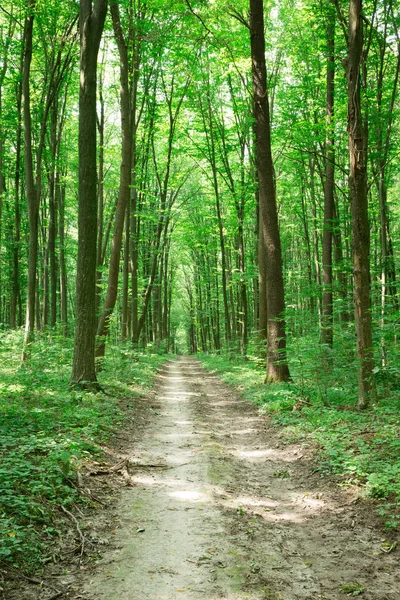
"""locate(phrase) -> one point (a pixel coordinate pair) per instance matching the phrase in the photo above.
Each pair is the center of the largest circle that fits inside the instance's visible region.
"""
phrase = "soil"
(212, 503)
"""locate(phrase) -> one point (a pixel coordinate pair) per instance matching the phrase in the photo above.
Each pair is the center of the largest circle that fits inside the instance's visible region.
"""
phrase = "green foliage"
(360, 448)
(47, 431)
(352, 589)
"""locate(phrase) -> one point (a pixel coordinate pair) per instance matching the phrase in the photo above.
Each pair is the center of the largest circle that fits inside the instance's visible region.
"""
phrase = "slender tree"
(125, 182)
(327, 295)
(91, 23)
(31, 188)
(359, 206)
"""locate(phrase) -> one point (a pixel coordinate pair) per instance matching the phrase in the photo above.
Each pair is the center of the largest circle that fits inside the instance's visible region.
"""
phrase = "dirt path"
(223, 509)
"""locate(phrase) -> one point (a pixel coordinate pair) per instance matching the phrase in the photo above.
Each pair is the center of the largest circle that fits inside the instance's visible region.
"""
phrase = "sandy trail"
(224, 510)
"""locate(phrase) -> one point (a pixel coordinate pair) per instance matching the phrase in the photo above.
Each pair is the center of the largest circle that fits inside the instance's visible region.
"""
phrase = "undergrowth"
(318, 408)
(47, 431)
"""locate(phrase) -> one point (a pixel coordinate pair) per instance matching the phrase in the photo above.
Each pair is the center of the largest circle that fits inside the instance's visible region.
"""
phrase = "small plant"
(352, 589)
(281, 474)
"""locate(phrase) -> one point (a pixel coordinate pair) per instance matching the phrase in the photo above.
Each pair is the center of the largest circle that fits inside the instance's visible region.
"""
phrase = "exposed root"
(78, 529)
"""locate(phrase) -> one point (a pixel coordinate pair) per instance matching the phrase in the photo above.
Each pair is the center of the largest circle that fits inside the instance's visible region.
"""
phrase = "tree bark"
(91, 23)
(359, 208)
(31, 191)
(327, 238)
(124, 186)
(277, 367)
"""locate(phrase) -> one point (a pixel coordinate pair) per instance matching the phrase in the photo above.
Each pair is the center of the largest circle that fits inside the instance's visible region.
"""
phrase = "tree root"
(124, 465)
(18, 574)
(78, 529)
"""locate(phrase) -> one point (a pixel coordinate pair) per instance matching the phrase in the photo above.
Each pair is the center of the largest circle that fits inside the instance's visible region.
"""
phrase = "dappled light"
(199, 299)
(214, 502)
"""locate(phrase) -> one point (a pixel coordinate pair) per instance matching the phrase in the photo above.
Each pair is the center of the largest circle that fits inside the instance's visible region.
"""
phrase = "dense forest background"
(170, 206)
(177, 230)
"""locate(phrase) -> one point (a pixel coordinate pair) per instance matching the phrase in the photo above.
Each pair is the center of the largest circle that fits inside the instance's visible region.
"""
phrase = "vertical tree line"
(230, 197)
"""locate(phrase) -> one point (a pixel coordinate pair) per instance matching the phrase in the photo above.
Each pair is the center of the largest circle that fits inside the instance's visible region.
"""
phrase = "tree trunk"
(277, 367)
(60, 191)
(327, 295)
(124, 186)
(16, 293)
(100, 195)
(125, 284)
(31, 191)
(91, 23)
(359, 208)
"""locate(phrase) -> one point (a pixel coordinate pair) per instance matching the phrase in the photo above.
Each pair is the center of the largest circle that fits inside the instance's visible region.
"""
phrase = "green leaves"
(46, 432)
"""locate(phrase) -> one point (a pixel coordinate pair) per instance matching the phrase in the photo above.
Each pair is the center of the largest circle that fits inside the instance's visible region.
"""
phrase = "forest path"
(224, 510)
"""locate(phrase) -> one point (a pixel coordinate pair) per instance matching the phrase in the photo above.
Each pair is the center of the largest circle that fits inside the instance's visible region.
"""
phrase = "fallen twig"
(20, 574)
(128, 462)
(75, 520)
(126, 476)
(118, 467)
(41, 582)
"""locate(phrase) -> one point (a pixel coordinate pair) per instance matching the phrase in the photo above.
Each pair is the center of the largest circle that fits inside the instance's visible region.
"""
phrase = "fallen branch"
(19, 574)
(78, 529)
(41, 582)
(127, 477)
(118, 467)
(121, 466)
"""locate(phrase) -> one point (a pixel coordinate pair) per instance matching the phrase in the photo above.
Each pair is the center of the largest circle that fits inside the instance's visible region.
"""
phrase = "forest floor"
(211, 502)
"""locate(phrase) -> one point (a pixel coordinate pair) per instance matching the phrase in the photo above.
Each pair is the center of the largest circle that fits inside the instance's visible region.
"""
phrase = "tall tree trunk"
(315, 236)
(327, 239)
(100, 196)
(53, 180)
(359, 207)
(124, 186)
(277, 367)
(91, 23)
(125, 284)
(60, 191)
(208, 122)
(16, 292)
(31, 191)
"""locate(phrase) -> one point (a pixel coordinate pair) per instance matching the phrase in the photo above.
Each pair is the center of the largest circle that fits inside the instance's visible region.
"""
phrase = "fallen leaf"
(388, 547)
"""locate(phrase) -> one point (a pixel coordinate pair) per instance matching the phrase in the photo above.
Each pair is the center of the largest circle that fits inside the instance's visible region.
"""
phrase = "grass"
(318, 409)
(47, 431)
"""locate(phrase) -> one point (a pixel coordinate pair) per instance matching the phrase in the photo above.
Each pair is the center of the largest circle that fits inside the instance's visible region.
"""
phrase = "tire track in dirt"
(226, 510)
